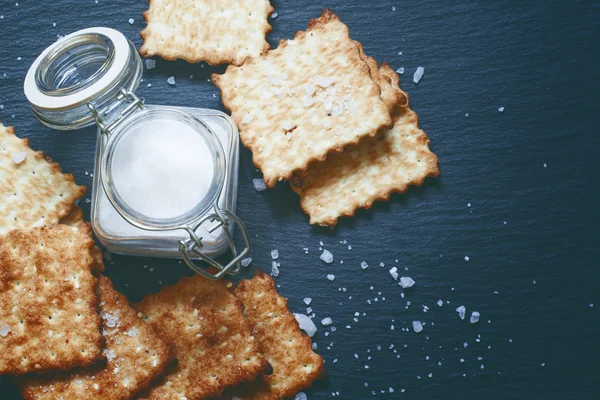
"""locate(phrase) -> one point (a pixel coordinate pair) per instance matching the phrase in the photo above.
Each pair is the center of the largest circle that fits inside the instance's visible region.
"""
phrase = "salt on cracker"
(33, 190)
(135, 356)
(48, 317)
(75, 218)
(215, 31)
(289, 351)
(212, 340)
(389, 162)
(311, 96)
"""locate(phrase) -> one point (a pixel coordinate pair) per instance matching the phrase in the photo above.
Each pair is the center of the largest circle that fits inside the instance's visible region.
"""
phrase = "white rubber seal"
(41, 100)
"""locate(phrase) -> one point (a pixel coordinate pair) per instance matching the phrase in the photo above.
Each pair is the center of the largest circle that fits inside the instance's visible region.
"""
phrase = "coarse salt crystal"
(274, 15)
(150, 63)
(440, 303)
(274, 254)
(306, 324)
(326, 256)
(247, 118)
(475, 317)
(501, 109)
(324, 81)
(171, 80)
(406, 282)
(307, 300)
(310, 89)
(131, 21)
(274, 269)
(308, 101)
(394, 273)
(331, 277)
(287, 125)
(461, 312)
(326, 321)
(417, 326)
(18, 157)
(259, 184)
(400, 70)
(364, 265)
(301, 396)
(4, 330)
(246, 261)
(418, 74)
(467, 258)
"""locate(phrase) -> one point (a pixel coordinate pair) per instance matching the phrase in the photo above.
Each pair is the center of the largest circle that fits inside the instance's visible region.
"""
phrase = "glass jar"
(165, 180)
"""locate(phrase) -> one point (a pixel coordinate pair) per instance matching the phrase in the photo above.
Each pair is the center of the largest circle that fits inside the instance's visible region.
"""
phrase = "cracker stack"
(323, 115)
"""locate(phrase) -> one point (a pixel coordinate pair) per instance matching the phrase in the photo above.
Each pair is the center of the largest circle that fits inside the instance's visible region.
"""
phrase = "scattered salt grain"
(474, 317)
(400, 70)
(406, 282)
(275, 254)
(326, 256)
(18, 157)
(131, 21)
(364, 265)
(418, 74)
(274, 269)
(259, 184)
(394, 273)
(324, 81)
(306, 324)
(440, 303)
(4, 330)
(501, 109)
(467, 258)
(300, 395)
(331, 277)
(417, 326)
(247, 118)
(307, 300)
(326, 321)
(246, 261)
(461, 312)
(171, 81)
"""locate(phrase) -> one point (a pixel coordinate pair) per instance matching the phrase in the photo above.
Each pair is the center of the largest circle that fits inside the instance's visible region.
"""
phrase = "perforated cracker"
(289, 351)
(135, 356)
(311, 96)
(390, 162)
(33, 189)
(48, 317)
(75, 218)
(215, 31)
(212, 340)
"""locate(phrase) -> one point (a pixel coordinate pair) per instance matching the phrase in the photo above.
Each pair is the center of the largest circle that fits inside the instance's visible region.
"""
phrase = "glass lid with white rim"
(162, 168)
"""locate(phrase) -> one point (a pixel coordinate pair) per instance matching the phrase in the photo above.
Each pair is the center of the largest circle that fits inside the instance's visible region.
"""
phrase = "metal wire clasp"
(109, 117)
(191, 247)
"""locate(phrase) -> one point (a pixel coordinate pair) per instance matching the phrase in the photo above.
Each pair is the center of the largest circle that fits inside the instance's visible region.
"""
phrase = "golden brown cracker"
(48, 317)
(212, 340)
(135, 356)
(74, 218)
(311, 96)
(389, 162)
(289, 351)
(215, 31)
(33, 189)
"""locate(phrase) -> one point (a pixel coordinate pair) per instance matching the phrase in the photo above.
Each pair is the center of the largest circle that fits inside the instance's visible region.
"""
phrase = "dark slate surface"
(530, 231)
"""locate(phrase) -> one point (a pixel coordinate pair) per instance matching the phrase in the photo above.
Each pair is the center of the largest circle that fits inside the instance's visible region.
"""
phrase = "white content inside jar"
(162, 169)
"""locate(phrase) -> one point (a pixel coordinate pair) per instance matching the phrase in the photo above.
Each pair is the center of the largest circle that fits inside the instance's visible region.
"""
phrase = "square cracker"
(212, 340)
(215, 31)
(33, 192)
(48, 317)
(312, 95)
(135, 354)
(289, 351)
(371, 170)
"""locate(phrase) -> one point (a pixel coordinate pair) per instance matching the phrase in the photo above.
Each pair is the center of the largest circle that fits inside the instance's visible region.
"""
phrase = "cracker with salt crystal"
(48, 317)
(33, 189)
(135, 354)
(215, 31)
(212, 340)
(289, 351)
(389, 162)
(311, 96)
(75, 218)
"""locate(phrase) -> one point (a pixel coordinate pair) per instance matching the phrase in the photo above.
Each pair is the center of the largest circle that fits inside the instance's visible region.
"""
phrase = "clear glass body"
(119, 236)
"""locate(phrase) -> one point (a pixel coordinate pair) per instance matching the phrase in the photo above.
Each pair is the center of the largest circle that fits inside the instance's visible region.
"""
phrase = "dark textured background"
(530, 231)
